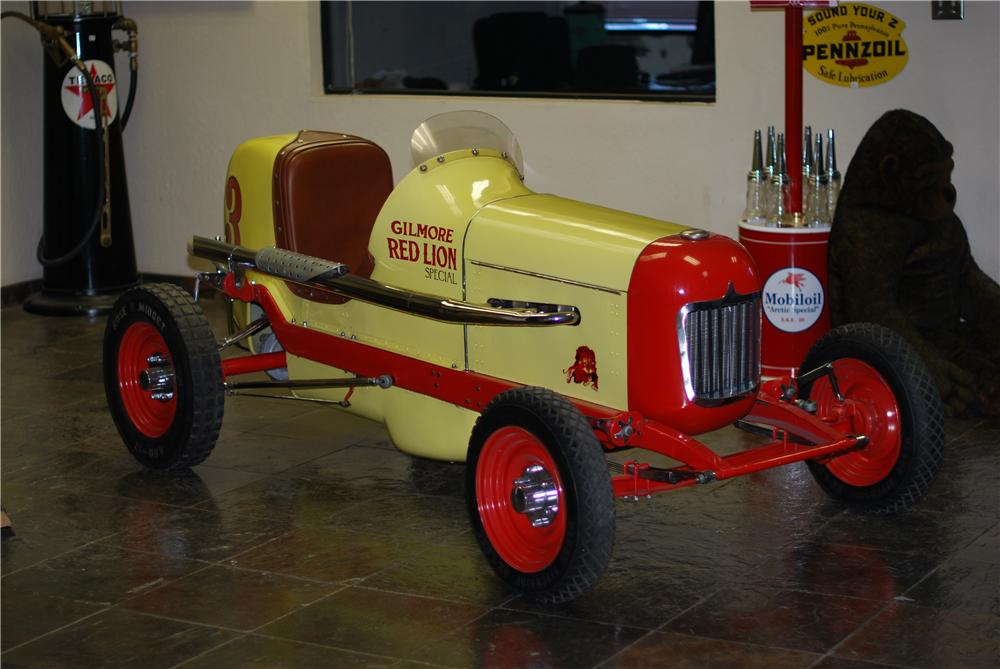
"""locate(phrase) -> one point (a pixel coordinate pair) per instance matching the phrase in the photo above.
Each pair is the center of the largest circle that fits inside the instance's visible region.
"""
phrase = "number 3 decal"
(234, 210)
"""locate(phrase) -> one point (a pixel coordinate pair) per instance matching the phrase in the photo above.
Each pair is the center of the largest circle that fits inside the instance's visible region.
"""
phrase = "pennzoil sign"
(853, 45)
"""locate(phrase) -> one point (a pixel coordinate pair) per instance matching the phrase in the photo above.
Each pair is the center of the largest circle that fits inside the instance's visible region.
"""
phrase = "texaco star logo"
(76, 100)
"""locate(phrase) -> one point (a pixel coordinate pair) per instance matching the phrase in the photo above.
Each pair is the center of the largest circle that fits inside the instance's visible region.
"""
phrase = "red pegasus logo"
(795, 279)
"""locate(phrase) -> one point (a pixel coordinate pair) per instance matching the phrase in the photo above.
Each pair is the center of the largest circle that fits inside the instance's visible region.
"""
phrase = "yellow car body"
(503, 242)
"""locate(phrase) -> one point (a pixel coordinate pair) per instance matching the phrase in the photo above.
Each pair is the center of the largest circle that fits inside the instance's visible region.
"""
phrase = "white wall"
(20, 149)
(214, 74)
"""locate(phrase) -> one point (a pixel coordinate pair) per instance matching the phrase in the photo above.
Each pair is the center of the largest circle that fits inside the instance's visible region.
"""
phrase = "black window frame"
(330, 88)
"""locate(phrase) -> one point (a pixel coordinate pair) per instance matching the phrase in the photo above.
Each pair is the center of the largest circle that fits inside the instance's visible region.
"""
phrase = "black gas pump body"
(89, 282)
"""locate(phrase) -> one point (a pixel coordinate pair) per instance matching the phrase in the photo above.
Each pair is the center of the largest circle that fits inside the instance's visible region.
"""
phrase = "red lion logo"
(584, 368)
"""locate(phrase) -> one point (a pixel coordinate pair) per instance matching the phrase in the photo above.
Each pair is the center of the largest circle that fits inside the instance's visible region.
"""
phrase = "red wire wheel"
(507, 454)
(875, 414)
(533, 456)
(150, 416)
(162, 320)
(890, 397)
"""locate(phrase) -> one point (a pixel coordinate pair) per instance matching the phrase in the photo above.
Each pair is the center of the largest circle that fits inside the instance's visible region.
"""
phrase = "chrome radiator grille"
(720, 347)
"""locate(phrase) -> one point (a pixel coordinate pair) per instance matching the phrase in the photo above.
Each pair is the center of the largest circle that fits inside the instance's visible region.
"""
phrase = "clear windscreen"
(465, 129)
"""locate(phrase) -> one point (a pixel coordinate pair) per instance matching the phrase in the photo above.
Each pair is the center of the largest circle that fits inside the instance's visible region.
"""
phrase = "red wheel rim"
(150, 416)
(508, 452)
(875, 413)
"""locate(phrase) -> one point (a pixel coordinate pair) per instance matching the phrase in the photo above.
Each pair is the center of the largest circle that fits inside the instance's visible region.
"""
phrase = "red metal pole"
(793, 102)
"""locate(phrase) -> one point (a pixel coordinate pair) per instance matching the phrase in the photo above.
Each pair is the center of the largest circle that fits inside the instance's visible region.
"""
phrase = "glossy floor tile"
(307, 540)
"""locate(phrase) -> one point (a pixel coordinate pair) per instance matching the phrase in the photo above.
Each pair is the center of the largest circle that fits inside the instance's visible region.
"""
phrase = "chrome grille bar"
(720, 347)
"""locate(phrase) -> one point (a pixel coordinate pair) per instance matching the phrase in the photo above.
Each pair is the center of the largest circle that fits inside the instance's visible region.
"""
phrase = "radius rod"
(382, 381)
(333, 276)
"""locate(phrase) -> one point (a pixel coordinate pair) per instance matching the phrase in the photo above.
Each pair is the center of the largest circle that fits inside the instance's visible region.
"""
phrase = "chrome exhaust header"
(334, 277)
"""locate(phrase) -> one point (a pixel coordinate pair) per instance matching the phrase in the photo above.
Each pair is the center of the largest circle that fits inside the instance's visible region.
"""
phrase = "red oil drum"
(792, 264)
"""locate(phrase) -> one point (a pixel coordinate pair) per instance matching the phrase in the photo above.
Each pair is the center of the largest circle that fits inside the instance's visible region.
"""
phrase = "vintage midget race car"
(526, 334)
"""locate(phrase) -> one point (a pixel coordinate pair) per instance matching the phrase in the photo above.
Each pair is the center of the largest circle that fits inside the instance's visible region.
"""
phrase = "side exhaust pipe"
(334, 277)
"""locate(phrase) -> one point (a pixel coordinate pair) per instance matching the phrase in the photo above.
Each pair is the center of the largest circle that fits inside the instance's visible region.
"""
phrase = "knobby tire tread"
(206, 377)
(206, 387)
(593, 498)
(925, 418)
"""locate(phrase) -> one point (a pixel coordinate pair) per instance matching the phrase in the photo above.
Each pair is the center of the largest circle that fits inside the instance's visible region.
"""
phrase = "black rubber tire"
(199, 391)
(921, 416)
(588, 498)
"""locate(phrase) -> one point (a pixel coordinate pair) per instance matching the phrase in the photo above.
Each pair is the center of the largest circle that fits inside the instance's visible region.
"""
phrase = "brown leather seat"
(328, 190)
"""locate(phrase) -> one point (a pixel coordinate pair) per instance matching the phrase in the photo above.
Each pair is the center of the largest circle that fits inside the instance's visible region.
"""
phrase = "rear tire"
(897, 407)
(530, 428)
(159, 329)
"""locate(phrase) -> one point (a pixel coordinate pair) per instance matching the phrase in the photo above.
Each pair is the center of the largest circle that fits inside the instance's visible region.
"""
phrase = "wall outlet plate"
(943, 10)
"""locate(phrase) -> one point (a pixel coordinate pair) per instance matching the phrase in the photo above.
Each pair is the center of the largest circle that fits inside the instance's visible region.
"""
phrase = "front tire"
(894, 401)
(163, 377)
(533, 444)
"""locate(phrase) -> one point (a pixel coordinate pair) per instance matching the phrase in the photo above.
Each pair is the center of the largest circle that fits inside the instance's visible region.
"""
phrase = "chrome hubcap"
(536, 496)
(158, 378)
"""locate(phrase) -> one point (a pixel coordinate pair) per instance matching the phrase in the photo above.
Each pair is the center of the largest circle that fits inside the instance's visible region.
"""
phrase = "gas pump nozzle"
(131, 45)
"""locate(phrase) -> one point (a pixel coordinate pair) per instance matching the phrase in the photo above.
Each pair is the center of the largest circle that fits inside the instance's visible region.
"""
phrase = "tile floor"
(306, 540)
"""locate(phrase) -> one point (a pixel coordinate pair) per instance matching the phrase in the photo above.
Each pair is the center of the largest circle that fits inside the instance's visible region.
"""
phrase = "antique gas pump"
(86, 248)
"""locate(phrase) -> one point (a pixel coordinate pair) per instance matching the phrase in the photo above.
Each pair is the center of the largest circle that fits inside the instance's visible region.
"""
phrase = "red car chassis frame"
(794, 433)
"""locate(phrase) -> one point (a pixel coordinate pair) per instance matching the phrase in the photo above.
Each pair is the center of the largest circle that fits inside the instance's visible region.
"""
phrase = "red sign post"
(793, 86)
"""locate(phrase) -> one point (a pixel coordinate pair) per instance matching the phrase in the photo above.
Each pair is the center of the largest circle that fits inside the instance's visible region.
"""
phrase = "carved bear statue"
(899, 256)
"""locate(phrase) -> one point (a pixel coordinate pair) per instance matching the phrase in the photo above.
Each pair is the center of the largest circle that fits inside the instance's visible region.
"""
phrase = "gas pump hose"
(53, 36)
(133, 81)
(128, 26)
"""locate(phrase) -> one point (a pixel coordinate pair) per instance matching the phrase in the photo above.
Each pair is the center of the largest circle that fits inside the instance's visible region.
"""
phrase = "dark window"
(645, 50)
